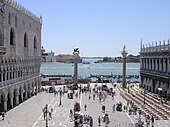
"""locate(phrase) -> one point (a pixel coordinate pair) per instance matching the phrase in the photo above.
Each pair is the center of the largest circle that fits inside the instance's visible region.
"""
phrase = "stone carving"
(2, 7)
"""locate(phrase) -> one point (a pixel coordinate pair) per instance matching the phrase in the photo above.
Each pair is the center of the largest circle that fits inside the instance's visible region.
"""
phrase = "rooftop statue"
(124, 47)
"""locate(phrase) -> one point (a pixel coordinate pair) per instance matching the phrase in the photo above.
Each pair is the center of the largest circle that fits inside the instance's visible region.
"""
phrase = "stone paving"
(29, 113)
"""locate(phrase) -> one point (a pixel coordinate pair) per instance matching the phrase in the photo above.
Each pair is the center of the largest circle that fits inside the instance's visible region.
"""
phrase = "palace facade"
(155, 68)
(20, 54)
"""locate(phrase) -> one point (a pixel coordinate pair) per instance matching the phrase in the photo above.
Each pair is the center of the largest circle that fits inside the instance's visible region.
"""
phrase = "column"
(160, 65)
(29, 91)
(164, 65)
(168, 62)
(149, 64)
(146, 63)
(17, 98)
(5, 99)
(141, 63)
(22, 98)
(11, 102)
(5, 104)
(11, 96)
(5, 75)
(26, 93)
(153, 65)
(156, 64)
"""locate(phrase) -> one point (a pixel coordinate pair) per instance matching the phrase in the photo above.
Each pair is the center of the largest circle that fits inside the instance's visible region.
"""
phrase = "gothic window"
(9, 18)
(12, 37)
(16, 21)
(25, 40)
(35, 42)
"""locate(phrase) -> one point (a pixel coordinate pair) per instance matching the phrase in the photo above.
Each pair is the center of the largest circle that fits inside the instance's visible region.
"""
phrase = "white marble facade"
(20, 54)
(155, 68)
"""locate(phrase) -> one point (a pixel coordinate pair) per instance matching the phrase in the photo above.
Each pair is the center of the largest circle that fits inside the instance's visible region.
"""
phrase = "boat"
(85, 62)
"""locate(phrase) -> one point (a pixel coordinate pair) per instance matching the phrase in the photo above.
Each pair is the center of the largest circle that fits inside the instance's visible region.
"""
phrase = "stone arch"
(25, 94)
(21, 91)
(4, 100)
(35, 42)
(1, 37)
(25, 39)
(16, 96)
(12, 36)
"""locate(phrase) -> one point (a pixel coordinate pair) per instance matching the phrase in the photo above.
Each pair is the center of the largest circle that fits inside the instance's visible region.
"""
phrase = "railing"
(167, 74)
(156, 48)
(18, 80)
(2, 50)
(22, 9)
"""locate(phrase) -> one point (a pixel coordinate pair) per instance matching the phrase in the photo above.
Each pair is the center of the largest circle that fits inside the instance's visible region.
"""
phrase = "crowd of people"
(96, 93)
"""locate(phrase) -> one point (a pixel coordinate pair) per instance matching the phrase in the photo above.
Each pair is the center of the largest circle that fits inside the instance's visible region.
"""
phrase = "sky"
(100, 27)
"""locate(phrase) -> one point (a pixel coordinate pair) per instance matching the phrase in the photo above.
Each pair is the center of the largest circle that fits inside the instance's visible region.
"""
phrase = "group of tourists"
(47, 114)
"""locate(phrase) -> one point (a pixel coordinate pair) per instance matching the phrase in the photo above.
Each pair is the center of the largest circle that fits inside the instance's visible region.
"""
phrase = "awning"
(160, 89)
(164, 87)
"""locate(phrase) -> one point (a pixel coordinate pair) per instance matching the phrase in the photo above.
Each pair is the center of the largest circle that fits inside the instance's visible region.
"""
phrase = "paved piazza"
(29, 113)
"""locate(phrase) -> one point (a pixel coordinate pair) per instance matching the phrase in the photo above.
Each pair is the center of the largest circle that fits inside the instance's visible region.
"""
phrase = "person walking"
(50, 115)
(103, 108)
(99, 121)
(91, 122)
(85, 107)
(94, 96)
(106, 120)
(71, 115)
(113, 108)
(152, 121)
(3, 115)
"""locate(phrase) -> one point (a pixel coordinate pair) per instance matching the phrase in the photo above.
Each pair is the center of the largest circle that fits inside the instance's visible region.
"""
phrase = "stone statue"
(124, 47)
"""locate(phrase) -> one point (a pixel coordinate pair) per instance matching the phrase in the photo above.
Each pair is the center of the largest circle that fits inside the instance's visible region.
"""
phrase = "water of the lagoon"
(84, 70)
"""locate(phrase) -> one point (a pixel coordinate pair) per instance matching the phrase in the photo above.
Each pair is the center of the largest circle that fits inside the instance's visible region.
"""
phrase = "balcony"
(161, 74)
(18, 80)
(2, 50)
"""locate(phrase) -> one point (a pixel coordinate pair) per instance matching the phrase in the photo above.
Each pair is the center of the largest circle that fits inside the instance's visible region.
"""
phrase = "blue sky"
(100, 27)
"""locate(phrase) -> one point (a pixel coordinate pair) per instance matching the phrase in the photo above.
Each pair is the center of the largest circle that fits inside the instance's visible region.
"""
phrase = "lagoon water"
(84, 70)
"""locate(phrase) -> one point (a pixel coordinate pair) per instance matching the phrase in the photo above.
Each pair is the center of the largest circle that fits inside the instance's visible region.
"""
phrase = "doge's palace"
(20, 54)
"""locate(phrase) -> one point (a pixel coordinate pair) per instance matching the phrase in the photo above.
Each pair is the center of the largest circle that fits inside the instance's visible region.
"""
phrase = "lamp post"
(60, 97)
(46, 111)
(76, 56)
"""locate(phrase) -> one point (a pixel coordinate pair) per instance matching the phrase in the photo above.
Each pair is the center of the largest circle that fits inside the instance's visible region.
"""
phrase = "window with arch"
(9, 18)
(25, 40)
(12, 37)
(35, 42)
(15, 20)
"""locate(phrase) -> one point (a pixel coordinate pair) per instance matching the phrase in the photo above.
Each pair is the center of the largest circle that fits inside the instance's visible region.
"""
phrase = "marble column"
(156, 64)
(160, 65)
(22, 97)
(164, 65)
(168, 62)
(5, 104)
(26, 94)
(5, 99)
(17, 98)
(11, 102)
